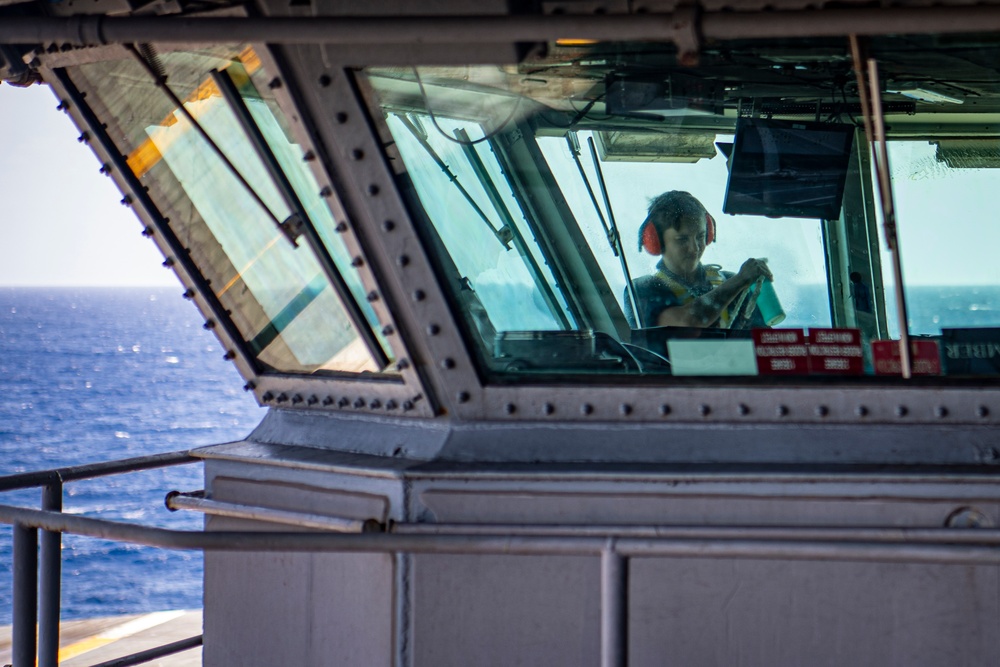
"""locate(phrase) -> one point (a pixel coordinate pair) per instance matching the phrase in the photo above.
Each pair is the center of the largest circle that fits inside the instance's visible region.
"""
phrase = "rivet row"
(342, 402)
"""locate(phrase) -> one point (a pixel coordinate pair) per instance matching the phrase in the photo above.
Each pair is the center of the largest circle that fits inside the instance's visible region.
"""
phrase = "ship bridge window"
(220, 163)
(600, 210)
(944, 196)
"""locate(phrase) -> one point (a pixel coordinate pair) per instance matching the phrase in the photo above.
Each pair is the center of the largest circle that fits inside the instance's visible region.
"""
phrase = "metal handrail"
(38, 571)
(27, 480)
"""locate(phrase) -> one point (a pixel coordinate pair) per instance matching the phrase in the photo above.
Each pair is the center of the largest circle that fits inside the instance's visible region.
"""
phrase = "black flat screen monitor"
(789, 169)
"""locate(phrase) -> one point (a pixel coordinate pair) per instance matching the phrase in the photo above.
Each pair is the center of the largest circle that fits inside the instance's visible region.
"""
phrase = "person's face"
(683, 247)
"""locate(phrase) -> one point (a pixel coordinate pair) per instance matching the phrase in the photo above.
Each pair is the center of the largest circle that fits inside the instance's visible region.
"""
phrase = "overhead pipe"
(684, 27)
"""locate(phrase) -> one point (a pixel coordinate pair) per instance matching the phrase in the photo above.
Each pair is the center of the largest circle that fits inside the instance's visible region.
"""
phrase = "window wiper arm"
(574, 148)
(613, 236)
(522, 247)
(503, 234)
(149, 62)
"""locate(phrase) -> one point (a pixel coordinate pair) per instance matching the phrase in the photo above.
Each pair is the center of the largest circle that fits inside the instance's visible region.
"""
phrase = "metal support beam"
(25, 595)
(614, 607)
(675, 27)
(50, 577)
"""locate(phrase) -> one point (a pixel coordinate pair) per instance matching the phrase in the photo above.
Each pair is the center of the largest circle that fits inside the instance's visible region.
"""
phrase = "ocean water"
(97, 374)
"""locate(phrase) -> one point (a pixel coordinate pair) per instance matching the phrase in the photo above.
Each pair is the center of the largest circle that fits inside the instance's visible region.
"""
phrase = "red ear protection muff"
(649, 240)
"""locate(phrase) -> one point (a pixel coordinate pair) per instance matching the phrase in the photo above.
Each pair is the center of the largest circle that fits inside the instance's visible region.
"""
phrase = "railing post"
(614, 607)
(25, 595)
(49, 584)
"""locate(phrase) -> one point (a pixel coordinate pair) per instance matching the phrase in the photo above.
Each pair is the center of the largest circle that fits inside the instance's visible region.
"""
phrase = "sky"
(61, 223)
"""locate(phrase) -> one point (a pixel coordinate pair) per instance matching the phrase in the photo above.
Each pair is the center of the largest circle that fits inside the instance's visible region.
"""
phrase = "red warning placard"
(925, 357)
(781, 351)
(835, 351)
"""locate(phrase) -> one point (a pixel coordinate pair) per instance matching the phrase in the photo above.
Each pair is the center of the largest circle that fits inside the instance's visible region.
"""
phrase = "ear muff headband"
(649, 240)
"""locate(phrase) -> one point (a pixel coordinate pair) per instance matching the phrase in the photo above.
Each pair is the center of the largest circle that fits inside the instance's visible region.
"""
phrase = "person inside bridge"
(683, 292)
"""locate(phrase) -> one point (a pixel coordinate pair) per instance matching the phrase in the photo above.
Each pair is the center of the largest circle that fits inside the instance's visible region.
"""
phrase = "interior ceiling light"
(924, 95)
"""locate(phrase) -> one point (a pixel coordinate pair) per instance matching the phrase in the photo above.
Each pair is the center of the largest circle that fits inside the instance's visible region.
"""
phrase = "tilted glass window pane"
(236, 223)
(769, 264)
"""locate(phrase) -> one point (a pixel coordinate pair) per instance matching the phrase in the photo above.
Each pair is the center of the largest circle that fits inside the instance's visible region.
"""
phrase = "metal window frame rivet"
(391, 405)
(229, 355)
(388, 226)
(463, 397)
(743, 409)
(357, 154)
(587, 409)
(267, 397)
(282, 398)
(312, 400)
(861, 411)
(357, 262)
(625, 409)
(822, 411)
(433, 329)
(419, 295)
(326, 191)
(407, 405)
(341, 227)
(274, 83)
(941, 412)
(403, 364)
(982, 411)
(665, 410)
(359, 402)
(447, 363)
(328, 400)
(388, 330)
(341, 116)
(509, 408)
(372, 296)
(309, 156)
(902, 411)
(296, 399)
(403, 260)
(373, 190)
(343, 402)
(375, 404)
(325, 80)
(781, 410)
(704, 410)
(548, 408)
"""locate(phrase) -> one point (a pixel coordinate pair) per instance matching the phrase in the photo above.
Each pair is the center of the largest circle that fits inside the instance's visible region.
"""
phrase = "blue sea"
(97, 374)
